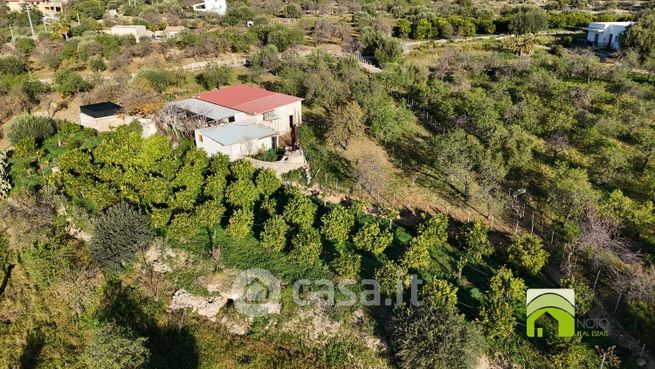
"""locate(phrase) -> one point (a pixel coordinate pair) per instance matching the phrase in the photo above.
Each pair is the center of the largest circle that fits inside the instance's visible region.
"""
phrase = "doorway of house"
(609, 42)
(596, 39)
(274, 142)
(294, 133)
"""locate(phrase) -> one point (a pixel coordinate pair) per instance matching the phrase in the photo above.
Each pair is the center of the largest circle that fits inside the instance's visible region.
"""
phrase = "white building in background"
(47, 7)
(211, 6)
(138, 31)
(606, 34)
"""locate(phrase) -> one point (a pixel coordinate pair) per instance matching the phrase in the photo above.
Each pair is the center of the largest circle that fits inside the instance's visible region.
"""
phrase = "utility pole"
(13, 38)
(29, 18)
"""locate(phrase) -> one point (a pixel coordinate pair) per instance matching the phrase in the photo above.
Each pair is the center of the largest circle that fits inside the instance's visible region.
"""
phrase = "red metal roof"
(248, 99)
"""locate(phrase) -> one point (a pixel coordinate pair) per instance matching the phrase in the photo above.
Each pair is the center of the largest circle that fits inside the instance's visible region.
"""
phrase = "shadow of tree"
(170, 346)
(29, 359)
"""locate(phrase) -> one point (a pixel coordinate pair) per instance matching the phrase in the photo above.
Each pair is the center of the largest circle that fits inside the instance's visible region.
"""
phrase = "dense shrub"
(69, 83)
(31, 126)
(12, 65)
(528, 20)
(117, 234)
(434, 337)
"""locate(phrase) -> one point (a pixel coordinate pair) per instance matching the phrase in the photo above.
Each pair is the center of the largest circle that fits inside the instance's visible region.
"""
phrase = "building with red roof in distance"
(242, 120)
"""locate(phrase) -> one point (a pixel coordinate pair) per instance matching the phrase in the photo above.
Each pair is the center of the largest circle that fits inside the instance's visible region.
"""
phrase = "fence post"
(532, 224)
(617, 301)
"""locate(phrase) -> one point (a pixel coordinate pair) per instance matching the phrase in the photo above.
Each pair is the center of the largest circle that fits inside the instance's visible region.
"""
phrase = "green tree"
(475, 242)
(183, 228)
(69, 83)
(240, 224)
(215, 186)
(497, 314)
(267, 182)
(391, 277)
(97, 64)
(337, 224)
(242, 169)
(639, 217)
(527, 253)
(372, 239)
(640, 36)
(115, 347)
(25, 45)
(347, 265)
(307, 245)
(528, 19)
(214, 76)
(291, 10)
(571, 193)
(422, 29)
(384, 49)
(584, 295)
(300, 211)
(117, 234)
(12, 65)
(403, 27)
(241, 193)
(417, 254)
(209, 213)
(431, 336)
(345, 122)
(440, 292)
(274, 233)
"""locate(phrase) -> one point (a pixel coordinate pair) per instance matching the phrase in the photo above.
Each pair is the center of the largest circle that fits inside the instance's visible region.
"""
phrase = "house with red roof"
(243, 120)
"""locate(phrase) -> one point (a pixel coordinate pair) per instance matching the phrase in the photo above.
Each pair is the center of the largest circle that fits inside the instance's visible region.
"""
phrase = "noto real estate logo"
(559, 303)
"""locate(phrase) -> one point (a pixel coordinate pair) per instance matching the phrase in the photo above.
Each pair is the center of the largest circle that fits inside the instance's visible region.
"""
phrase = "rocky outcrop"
(205, 306)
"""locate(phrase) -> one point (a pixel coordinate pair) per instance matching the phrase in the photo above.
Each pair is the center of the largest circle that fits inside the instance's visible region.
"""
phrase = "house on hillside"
(138, 31)
(243, 120)
(46, 7)
(211, 6)
(606, 34)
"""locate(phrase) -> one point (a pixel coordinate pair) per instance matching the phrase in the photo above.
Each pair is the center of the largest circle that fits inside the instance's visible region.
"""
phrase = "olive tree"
(431, 336)
(117, 235)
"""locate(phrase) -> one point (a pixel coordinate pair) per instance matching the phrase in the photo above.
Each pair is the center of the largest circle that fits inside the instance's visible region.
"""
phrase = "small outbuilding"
(606, 34)
(138, 31)
(236, 140)
(102, 116)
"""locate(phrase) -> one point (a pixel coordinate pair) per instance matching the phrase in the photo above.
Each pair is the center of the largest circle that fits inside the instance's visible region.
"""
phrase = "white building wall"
(281, 123)
(104, 124)
(236, 151)
(611, 31)
(136, 31)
